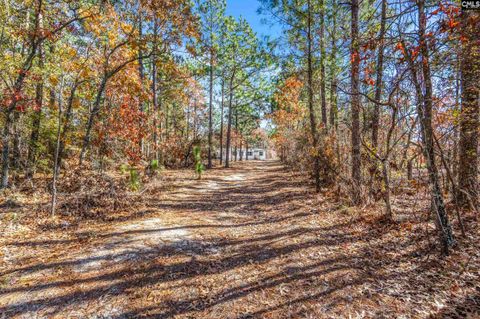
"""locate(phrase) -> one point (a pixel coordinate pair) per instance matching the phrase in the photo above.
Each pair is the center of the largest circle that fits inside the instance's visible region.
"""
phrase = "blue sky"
(248, 10)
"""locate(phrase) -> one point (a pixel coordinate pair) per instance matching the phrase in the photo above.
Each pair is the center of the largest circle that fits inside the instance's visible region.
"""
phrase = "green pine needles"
(134, 180)
(197, 155)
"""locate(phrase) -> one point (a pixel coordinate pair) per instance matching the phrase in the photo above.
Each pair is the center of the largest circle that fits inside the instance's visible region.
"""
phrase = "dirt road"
(248, 242)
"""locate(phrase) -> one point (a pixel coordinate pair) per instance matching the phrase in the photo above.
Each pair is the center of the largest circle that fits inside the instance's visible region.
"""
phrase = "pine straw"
(94, 195)
(260, 245)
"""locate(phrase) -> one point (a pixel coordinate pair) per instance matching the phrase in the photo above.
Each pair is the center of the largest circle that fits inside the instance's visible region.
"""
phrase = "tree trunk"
(424, 108)
(469, 121)
(221, 122)
(386, 181)
(56, 158)
(379, 80)
(210, 110)
(6, 148)
(313, 121)
(333, 70)
(241, 153)
(16, 141)
(37, 116)
(356, 151)
(410, 169)
(155, 108)
(229, 122)
(236, 135)
(322, 66)
(141, 74)
(66, 124)
(91, 118)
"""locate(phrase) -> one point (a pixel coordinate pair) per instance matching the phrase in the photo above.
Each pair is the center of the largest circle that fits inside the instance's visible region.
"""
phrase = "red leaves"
(354, 57)
(20, 107)
(414, 52)
(127, 125)
(399, 47)
(452, 14)
(369, 70)
(14, 98)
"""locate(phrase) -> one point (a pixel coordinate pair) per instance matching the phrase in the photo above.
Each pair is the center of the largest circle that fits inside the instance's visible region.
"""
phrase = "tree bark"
(141, 74)
(91, 118)
(236, 138)
(445, 231)
(333, 70)
(424, 109)
(16, 142)
(323, 94)
(229, 123)
(221, 122)
(56, 158)
(355, 66)
(210, 107)
(379, 80)
(469, 116)
(37, 116)
(66, 124)
(313, 121)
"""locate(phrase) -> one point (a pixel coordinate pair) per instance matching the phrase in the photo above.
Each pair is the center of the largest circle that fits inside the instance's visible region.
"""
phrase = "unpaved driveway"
(248, 242)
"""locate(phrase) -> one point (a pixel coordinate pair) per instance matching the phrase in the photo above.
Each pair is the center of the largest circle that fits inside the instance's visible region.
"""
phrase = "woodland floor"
(252, 241)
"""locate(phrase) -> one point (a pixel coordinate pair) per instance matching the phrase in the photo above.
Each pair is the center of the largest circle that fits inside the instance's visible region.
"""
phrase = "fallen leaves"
(262, 246)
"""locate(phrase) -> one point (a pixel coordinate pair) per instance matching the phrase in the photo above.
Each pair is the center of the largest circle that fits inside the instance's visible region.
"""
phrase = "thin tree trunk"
(210, 109)
(424, 109)
(194, 115)
(445, 231)
(241, 153)
(386, 180)
(154, 91)
(356, 151)
(6, 147)
(379, 80)
(91, 118)
(221, 122)
(386, 164)
(410, 169)
(155, 107)
(323, 94)
(66, 124)
(141, 74)
(333, 70)
(37, 116)
(378, 96)
(56, 156)
(229, 122)
(16, 141)
(236, 135)
(313, 121)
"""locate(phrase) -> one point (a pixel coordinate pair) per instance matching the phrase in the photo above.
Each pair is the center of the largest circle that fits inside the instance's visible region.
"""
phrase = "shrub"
(199, 168)
(134, 180)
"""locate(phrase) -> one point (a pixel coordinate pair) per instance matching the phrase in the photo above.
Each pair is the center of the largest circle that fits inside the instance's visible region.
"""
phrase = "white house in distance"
(258, 154)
